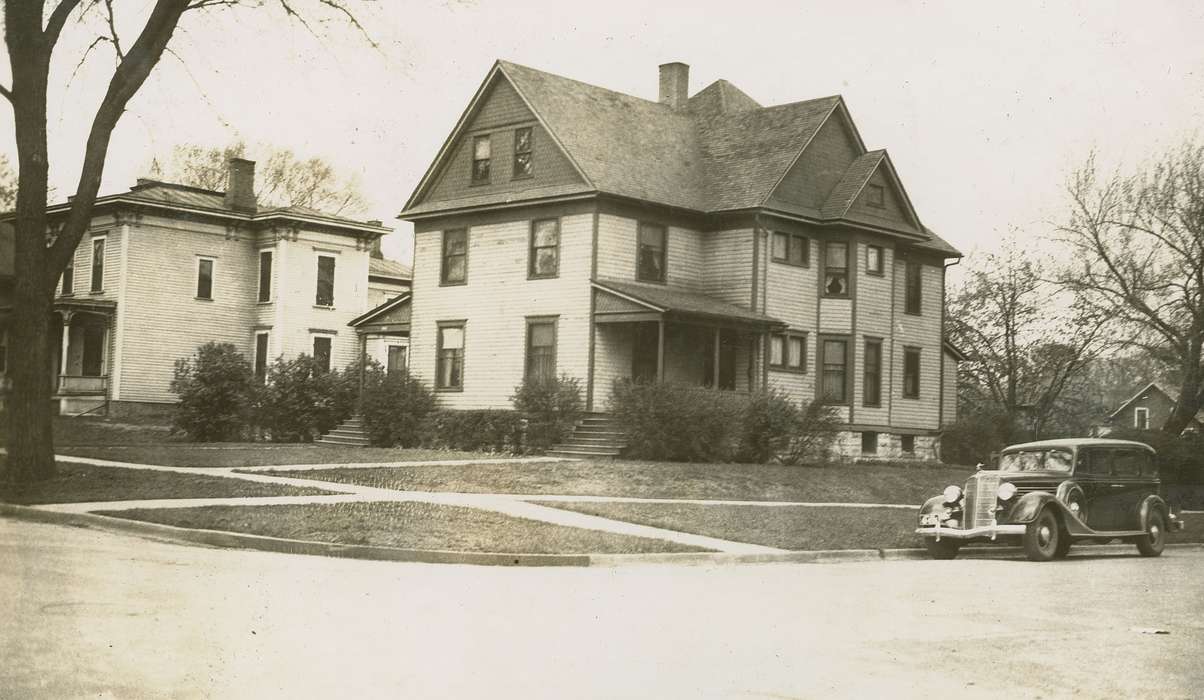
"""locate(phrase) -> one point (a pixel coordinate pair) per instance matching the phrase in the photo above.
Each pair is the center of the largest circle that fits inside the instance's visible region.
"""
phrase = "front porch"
(81, 362)
(647, 333)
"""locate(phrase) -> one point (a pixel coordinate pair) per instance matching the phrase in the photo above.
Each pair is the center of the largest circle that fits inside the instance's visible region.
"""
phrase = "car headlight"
(1006, 490)
(952, 494)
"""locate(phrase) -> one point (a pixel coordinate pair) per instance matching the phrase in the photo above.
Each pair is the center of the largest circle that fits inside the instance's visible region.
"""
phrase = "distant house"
(165, 268)
(705, 239)
(1148, 409)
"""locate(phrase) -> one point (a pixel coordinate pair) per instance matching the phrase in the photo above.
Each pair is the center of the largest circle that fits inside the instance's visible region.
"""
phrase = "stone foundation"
(848, 446)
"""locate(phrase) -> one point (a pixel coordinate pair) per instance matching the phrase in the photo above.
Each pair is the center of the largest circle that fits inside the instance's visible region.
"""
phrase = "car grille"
(980, 500)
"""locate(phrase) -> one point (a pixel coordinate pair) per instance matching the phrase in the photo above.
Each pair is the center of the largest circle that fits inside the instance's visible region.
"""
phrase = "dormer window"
(482, 154)
(875, 196)
(522, 152)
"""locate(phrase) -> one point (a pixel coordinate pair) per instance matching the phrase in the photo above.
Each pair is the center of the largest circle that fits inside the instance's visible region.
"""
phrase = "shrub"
(551, 409)
(814, 430)
(666, 421)
(973, 438)
(493, 430)
(215, 390)
(296, 397)
(769, 423)
(395, 408)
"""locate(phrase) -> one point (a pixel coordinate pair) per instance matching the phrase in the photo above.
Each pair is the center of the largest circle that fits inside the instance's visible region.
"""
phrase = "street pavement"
(89, 614)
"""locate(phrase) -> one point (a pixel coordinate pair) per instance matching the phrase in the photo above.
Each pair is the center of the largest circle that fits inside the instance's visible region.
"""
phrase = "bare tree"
(8, 185)
(284, 179)
(1025, 344)
(41, 254)
(1138, 243)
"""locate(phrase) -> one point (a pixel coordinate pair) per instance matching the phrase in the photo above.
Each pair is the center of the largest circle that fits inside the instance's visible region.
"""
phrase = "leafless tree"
(41, 254)
(284, 179)
(8, 185)
(1025, 344)
(1138, 245)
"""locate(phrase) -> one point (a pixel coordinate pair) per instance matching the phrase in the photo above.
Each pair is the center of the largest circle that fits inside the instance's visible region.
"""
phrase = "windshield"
(1036, 461)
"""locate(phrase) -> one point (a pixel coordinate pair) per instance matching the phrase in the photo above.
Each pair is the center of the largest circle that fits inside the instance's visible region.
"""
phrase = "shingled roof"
(722, 152)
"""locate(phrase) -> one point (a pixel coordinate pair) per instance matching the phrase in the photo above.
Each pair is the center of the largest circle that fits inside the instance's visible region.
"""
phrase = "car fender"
(1152, 503)
(932, 504)
(1030, 504)
(1066, 489)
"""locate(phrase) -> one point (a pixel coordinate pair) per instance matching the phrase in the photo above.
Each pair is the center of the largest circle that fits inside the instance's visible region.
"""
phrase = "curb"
(263, 543)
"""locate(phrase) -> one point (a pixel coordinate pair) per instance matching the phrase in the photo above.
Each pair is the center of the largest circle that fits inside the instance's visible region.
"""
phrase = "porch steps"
(595, 435)
(350, 433)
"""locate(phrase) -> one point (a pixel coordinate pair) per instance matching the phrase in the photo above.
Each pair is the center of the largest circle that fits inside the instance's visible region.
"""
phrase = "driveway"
(94, 614)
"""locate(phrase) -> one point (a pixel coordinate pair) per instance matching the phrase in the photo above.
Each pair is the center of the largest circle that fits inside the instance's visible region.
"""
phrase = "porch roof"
(105, 307)
(625, 301)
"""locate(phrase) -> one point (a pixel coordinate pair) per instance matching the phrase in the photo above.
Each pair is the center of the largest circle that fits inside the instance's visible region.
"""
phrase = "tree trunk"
(1189, 392)
(30, 442)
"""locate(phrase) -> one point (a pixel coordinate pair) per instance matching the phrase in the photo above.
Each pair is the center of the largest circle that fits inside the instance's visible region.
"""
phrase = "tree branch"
(58, 18)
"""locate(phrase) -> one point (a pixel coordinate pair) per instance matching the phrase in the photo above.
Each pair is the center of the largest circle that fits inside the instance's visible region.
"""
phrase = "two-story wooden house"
(566, 228)
(165, 268)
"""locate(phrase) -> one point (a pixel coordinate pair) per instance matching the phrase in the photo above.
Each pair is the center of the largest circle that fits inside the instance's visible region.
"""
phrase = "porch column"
(660, 349)
(66, 315)
(359, 403)
(715, 362)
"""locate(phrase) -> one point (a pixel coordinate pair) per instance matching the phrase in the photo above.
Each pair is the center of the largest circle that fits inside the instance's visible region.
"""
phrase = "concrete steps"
(350, 433)
(596, 435)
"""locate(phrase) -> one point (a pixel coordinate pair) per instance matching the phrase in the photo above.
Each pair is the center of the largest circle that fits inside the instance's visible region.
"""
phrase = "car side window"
(1092, 462)
(1149, 466)
(1126, 463)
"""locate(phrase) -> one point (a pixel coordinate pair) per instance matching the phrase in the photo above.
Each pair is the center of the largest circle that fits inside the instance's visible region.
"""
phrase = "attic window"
(522, 152)
(875, 196)
(482, 152)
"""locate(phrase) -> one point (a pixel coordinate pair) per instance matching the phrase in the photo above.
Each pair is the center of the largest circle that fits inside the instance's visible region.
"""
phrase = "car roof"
(1078, 442)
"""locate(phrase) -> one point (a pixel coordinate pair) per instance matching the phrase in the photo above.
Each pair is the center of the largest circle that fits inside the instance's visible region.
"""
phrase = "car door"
(1091, 474)
(1125, 488)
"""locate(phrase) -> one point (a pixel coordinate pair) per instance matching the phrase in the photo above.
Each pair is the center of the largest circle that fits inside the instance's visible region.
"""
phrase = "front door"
(645, 343)
(727, 360)
(94, 351)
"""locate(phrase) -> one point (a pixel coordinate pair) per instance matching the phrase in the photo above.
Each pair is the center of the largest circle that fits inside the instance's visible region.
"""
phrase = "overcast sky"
(984, 107)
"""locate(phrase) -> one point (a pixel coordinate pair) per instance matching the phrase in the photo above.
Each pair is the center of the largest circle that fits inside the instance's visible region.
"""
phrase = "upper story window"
(911, 373)
(541, 349)
(204, 277)
(875, 196)
(912, 288)
(650, 253)
(836, 371)
(98, 264)
(1141, 418)
(449, 370)
(522, 152)
(788, 351)
(265, 275)
(69, 277)
(482, 155)
(544, 256)
(836, 269)
(791, 249)
(455, 257)
(872, 382)
(322, 344)
(325, 292)
(873, 259)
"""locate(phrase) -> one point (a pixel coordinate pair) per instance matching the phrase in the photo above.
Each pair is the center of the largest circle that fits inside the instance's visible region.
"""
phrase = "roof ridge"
(145, 183)
(592, 86)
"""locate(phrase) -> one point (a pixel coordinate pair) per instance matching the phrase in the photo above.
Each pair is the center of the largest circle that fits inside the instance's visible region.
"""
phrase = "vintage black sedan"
(1049, 494)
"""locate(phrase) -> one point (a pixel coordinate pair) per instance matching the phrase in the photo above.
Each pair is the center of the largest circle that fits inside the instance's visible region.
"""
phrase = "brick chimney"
(240, 185)
(675, 84)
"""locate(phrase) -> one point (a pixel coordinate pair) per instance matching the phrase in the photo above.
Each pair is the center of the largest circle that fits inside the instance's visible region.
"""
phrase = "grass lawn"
(784, 527)
(407, 526)
(100, 431)
(749, 482)
(260, 454)
(81, 484)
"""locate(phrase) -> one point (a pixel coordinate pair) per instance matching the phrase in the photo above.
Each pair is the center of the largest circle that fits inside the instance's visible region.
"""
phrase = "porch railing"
(79, 385)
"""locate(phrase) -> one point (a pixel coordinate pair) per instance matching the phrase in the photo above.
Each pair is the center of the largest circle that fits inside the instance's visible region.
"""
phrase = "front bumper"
(967, 533)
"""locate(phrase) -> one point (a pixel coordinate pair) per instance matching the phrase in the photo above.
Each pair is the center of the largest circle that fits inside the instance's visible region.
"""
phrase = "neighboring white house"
(566, 228)
(165, 268)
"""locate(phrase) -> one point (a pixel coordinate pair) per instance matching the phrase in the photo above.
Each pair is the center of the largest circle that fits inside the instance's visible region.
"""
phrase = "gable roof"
(672, 300)
(376, 313)
(851, 184)
(1135, 397)
(722, 152)
(383, 267)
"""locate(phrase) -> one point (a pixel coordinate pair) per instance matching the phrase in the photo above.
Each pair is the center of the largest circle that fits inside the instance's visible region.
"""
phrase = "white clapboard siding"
(494, 305)
(617, 240)
(949, 409)
(835, 315)
(874, 321)
(924, 332)
(727, 258)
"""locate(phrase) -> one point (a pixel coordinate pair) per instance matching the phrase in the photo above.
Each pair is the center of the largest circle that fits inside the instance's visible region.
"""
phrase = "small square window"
(873, 259)
(791, 249)
(875, 196)
(788, 351)
(869, 443)
(482, 156)
(907, 443)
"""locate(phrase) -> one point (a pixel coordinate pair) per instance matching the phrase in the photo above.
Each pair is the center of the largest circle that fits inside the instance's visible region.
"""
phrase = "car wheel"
(1151, 543)
(1041, 537)
(942, 549)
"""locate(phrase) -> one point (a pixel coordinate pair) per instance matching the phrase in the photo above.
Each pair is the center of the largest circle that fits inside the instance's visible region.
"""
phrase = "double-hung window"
(836, 269)
(911, 373)
(650, 252)
(69, 277)
(791, 249)
(265, 275)
(1141, 418)
(455, 256)
(204, 278)
(913, 288)
(835, 370)
(541, 349)
(98, 265)
(544, 256)
(397, 359)
(482, 156)
(788, 351)
(873, 260)
(322, 345)
(872, 382)
(449, 370)
(261, 356)
(324, 296)
(522, 153)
